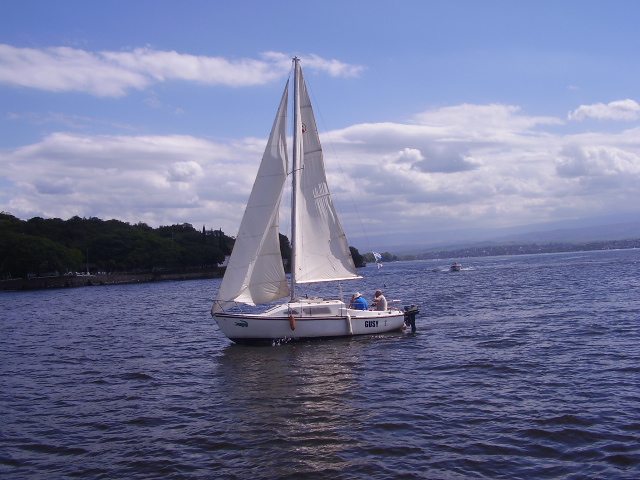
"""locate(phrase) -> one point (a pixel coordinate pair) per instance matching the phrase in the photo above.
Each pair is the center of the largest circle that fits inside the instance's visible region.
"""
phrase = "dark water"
(522, 368)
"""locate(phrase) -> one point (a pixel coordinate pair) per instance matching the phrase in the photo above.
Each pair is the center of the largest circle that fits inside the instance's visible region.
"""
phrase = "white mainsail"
(320, 245)
(255, 273)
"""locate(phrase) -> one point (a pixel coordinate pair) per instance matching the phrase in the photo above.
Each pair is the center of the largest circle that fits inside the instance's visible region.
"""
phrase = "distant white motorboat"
(456, 267)
(320, 252)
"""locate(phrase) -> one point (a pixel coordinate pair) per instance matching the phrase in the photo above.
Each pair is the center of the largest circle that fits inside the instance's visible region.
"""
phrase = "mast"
(297, 151)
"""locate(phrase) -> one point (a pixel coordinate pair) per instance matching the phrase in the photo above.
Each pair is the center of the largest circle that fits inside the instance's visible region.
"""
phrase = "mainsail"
(320, 245)
(255, 273)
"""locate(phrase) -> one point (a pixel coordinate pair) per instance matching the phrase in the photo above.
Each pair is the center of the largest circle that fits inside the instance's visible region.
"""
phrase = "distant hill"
(576, 235)
(492, 250)
(620, 231)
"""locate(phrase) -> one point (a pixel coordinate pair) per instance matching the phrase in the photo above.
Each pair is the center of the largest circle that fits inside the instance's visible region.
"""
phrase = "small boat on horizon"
(456, 267)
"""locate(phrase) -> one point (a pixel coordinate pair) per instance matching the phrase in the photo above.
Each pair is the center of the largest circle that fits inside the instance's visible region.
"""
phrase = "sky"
(441, 122)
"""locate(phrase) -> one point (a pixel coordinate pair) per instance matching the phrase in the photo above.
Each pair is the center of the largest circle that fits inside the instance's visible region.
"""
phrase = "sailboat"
(255, 273)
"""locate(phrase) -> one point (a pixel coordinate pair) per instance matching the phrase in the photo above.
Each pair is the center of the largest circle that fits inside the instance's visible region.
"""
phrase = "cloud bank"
(622, 110)
(472, 165)
(114, 74)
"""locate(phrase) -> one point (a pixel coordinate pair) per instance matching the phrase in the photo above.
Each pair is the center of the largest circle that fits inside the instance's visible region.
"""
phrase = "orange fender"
(292, 322)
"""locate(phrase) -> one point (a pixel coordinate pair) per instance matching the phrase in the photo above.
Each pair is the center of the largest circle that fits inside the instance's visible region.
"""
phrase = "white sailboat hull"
(314, 319)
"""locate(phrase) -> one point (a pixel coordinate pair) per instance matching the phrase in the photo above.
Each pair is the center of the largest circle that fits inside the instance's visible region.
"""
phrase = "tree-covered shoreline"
(41, 247)
(38, 246)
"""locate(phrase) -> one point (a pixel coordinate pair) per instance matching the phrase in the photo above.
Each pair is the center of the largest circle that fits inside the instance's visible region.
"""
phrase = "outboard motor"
(410, 313)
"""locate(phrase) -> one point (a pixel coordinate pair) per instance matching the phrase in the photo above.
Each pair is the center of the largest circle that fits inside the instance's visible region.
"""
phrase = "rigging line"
(345, 181)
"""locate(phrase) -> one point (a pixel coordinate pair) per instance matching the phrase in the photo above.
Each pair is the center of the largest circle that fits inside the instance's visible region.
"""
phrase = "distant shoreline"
(490, 250)
(42, 283)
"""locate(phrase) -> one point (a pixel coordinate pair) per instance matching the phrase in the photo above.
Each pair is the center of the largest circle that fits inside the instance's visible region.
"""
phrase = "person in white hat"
(359, 302)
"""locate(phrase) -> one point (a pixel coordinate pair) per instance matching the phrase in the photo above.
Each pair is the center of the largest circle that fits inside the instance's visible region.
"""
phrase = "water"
(522, 367)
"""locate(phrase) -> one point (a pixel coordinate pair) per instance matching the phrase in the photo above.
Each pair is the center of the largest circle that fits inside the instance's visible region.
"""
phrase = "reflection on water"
(296, 398)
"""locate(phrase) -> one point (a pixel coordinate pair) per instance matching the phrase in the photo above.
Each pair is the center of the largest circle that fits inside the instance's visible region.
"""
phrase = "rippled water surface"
(521, 368)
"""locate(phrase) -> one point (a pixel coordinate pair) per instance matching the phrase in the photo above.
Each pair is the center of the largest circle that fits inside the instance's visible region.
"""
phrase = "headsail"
(255, 273)
(321, 249)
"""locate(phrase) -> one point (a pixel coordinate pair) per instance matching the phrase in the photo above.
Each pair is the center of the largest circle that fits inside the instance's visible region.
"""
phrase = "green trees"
(357, 258)
(53, 246)
(49, 246)
(386, 257)
(285, 251)
(22, 254)
(362, 260)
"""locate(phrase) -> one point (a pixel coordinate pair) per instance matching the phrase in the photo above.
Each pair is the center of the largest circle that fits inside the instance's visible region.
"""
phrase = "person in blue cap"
(359, 302)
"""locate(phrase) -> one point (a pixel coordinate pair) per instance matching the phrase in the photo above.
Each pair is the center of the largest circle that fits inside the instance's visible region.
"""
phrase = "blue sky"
(441, 121)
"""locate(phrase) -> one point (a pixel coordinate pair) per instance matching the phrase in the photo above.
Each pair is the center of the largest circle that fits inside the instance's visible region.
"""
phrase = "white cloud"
(485, 122)
(163, 66)
(603, 164)
(487, 166)
(153, 179)
(622, 110)
(410, 155)
(114, 74)
(465, 166)
(61, 69)
(335, 68)
(447, 158)
(185, 171)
